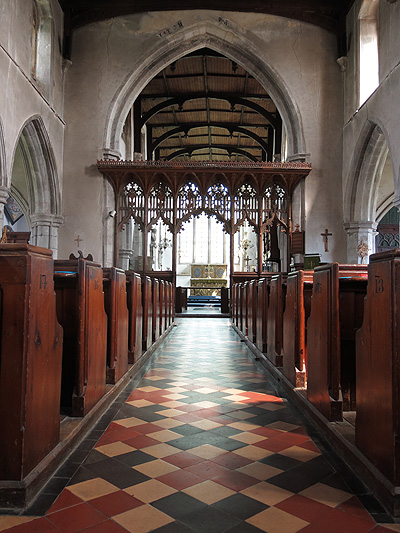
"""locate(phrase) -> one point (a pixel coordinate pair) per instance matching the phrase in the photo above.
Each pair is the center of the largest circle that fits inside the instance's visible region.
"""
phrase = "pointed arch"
(238, 48)
(365, 175)
(41, 172)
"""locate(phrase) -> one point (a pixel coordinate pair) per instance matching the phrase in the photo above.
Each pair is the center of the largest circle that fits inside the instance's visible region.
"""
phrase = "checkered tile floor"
(203, 444)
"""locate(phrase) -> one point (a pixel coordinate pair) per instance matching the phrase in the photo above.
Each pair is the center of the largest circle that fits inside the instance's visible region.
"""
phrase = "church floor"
(203, 444)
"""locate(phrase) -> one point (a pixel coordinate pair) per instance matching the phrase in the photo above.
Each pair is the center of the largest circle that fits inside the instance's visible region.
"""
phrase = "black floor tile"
(134, 458)
(179, 504)
(187, 430)
(240, 506)
(280, 461)
(212, 521)
(82, 474)
(120, 475)
(174, 527)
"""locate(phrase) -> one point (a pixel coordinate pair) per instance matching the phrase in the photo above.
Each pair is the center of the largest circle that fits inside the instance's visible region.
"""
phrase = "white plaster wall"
(105, 54)
(21, 98)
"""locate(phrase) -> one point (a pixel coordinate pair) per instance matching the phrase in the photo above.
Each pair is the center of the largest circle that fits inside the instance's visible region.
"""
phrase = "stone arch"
(360, 208)
(43, 189)
(235, 47)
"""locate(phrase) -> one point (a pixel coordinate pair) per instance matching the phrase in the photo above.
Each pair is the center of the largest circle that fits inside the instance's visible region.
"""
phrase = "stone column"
(45, 231)
(357, 232)
(125, 246)
(4, 194)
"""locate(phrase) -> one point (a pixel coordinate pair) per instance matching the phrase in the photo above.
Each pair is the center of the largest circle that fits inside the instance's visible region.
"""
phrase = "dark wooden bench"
(378, 367)
(275, 319)
(134, 291)
(30, 359)
(252, 312)
(262, 307)
(80, 310)
(114, 284)
(297, 311)
(147, 302)
(337, 308)
(156, 309)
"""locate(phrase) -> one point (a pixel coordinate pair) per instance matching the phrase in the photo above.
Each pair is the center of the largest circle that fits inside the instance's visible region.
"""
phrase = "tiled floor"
(203, 444)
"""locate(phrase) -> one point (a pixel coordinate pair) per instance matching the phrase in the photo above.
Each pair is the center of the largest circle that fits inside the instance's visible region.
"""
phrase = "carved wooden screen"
(274, 207)
(131, 204)
(161, 206)
(217, 202)
(189, 202)
(245, 206)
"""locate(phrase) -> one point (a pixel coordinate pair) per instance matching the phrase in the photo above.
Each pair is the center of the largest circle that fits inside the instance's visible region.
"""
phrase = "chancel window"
(368, 49)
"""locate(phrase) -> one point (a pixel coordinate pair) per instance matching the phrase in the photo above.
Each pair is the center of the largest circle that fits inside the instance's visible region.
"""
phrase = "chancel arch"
(35, 186)
(239, 49)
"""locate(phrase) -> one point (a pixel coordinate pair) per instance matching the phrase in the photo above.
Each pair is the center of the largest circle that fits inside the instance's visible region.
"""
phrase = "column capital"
(362, 225)
(44, 219)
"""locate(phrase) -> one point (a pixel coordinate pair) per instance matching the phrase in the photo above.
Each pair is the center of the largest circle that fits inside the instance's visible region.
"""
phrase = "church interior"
(200, 266)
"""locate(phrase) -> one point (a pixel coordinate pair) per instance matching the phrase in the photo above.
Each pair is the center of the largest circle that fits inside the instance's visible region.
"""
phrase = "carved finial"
(4, 235)
(362, 250)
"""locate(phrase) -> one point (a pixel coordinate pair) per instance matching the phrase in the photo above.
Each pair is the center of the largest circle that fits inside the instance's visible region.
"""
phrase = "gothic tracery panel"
(131, 205)
(218, 202)
(189, 201)
(161, 205)
(246, 205)
(274, 206)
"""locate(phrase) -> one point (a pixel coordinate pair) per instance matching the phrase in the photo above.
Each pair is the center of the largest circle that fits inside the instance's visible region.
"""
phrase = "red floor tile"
(266, 432)
(231, 460)
(309, 445)
(355, 508)
(187, 418)
(183, 459)
(273, 445)
(235, 480)
(304, 508)
(180, 479)
(65, 500)
(338, 521)
(142, 441)
(147, 428)
(41, 525)
(122, 434)
(207, 470)
(76, 518)
(105, 527)
(115, 503)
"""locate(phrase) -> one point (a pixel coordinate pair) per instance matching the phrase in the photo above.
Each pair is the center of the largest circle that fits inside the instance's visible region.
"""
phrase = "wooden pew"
(224, 300)
(337, 308)
(30, 359)
(262, 307)
(134, 291)
(156, 309)
(233, 304)
(378, 376)
(244, 307)
(163, 308)
(80, 311)
(181, 299)
(297, 311)
(252, 311)
(275, 319)
(115, 296)
(147, 303)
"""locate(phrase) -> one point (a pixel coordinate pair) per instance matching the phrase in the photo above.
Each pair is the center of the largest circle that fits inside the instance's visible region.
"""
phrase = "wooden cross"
(325, 236)
(78, 240)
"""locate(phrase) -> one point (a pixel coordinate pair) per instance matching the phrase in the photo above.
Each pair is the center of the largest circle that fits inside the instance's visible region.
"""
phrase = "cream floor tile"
(173, 403)
(271, 406)
(253, 452)
(247, 437)
(140, 403)
(168, 423)
(142, 519)
(327, 495)
(232, 391)
(161, 450)
(176, 389)
(154, 378)
(235, 398)
(301, 454)
(274, 520)
(177, 383)
(170, 412)
(282, 426)
(391, 527)
(93, 488)
(206, 424)
(241, 415)
(8, 521)
(150, 491)
(165, 435)
(156, 468)
(207, 451)
(205, 390)
(260, 471)
(266, 493)
(114, 449)
(209, 492)
(149, 388)
(206, 404)
(243, 426)
(130, 422)
(174, 396)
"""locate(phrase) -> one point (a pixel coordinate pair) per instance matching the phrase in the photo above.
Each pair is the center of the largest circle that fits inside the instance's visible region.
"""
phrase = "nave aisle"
(203, 444)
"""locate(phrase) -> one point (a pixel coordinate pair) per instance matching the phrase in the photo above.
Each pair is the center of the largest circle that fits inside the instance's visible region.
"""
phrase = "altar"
(210, 278)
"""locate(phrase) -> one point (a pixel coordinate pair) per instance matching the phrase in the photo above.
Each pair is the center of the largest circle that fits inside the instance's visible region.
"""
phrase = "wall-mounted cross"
(325, 236)
(78, 240)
